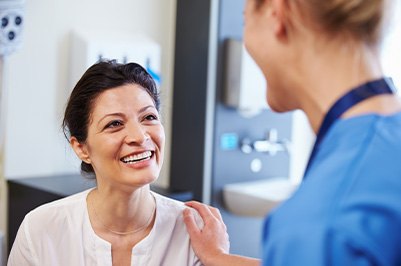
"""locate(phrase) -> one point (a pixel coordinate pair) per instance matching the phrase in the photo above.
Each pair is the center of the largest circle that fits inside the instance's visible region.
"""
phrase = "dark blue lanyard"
(351, 98)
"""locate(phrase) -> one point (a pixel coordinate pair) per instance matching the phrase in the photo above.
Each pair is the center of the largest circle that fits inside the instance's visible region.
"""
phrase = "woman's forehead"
(129, 96)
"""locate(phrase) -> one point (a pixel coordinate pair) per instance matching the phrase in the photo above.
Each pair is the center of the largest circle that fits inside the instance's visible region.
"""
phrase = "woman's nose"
(136, 134)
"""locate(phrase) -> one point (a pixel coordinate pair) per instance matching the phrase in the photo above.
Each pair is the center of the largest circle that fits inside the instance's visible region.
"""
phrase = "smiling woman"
(124, 134)
(113, 124)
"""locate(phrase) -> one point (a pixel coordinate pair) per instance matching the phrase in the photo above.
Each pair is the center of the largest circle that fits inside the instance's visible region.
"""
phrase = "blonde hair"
(360, 19)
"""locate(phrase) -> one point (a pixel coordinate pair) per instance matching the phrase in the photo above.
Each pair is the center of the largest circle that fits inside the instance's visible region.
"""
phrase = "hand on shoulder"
(211, 243)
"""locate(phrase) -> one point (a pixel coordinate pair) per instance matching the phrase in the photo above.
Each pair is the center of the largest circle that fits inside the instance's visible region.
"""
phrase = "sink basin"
(257, 198)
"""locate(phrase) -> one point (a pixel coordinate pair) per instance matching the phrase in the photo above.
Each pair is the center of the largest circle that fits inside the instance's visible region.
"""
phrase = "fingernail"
(187, 212)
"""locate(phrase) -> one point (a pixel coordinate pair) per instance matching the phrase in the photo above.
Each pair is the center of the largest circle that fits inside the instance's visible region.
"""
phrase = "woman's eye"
(114, 124)
(151, 117)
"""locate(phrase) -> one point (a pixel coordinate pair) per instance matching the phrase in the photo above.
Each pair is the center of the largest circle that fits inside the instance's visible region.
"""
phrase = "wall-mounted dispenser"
(244, 83)
(88, 47)
(11, 15)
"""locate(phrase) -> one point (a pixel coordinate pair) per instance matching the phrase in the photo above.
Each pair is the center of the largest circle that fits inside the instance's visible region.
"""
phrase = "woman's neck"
(121, 211)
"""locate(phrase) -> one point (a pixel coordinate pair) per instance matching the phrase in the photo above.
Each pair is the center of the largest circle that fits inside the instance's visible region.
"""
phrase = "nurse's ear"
(280, 12)
(80, 150)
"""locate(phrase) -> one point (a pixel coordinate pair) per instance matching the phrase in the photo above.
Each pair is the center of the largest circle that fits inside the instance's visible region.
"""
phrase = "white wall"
(391, 54)
(38, 74)
(303, 139)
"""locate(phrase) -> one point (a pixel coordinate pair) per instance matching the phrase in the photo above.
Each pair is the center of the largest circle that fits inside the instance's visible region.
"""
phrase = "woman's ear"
(80, 150)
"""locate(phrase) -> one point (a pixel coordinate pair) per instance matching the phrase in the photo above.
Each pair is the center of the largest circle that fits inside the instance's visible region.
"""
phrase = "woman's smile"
(135, 158)
(139, 160)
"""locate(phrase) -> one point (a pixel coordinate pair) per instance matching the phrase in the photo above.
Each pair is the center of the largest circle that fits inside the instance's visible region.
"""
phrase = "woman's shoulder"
(169, 207)
(57, 209)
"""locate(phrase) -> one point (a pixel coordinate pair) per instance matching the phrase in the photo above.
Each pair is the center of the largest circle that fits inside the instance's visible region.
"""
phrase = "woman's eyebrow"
(107, 115)
(143, 109)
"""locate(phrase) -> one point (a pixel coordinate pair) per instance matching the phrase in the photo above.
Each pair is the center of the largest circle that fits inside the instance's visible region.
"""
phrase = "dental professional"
(323, 57)
(113, 124)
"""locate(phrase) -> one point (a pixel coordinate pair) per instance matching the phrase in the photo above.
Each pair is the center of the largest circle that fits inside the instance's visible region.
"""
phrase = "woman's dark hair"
(98, 78)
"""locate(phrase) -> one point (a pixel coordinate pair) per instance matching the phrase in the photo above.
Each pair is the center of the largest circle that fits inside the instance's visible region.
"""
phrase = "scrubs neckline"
(363, 118)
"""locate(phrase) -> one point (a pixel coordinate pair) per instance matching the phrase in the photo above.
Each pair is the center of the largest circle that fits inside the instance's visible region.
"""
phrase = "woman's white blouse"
(60, 233)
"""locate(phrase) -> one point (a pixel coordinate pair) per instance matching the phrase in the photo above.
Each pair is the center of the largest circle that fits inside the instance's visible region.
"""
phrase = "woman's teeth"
(137, 157)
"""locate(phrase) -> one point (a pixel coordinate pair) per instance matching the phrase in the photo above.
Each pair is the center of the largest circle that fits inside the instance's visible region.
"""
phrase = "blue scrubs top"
(348, 209)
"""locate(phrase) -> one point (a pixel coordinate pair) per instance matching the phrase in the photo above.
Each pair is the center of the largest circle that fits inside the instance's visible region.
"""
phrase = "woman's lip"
(136, 153)
(142, 163)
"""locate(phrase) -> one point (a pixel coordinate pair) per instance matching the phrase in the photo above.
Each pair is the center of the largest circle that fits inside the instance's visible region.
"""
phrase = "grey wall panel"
(190, 81)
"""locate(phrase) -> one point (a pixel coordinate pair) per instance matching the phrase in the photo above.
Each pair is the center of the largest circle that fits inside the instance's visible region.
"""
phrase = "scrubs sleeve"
(315, 247)
(21, 252)
(347, 251)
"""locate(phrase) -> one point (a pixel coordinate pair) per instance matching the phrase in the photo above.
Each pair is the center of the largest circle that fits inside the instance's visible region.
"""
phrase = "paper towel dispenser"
(245, 84)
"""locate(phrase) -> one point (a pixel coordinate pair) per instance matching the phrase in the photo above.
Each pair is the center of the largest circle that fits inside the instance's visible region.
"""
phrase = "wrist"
(211, 259)
(217, 259)
(223, 259)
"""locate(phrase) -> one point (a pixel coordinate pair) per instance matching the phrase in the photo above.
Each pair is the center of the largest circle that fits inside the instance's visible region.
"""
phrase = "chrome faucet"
(271, 145)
